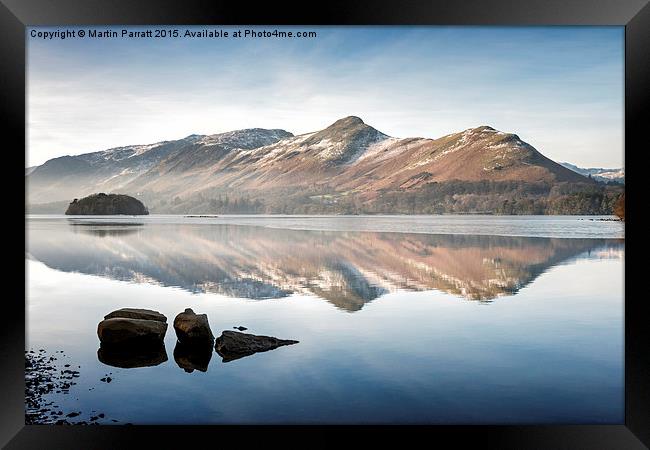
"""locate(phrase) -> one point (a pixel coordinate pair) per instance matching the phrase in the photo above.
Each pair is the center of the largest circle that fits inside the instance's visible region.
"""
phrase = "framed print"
(246, 220)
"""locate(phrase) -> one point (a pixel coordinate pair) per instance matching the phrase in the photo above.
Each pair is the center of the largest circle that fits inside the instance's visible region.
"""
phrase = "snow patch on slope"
(245, 139)
(380, 149)
(350, 150)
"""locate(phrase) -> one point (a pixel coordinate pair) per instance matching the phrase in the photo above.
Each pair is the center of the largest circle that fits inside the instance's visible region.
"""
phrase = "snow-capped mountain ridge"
(598, 173)
(348, 156)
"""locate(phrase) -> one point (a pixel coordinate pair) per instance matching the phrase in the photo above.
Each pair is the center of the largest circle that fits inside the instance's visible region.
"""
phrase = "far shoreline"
(535, 226)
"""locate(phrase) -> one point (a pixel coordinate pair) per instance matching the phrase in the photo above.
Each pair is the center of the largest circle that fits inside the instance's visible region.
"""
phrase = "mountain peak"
(346, 126)
(344, 140)
(483, 132)
(348, 121)
(483, 129)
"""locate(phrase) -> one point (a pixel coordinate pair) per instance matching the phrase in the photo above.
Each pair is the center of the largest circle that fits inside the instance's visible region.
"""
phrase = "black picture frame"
(15, 15)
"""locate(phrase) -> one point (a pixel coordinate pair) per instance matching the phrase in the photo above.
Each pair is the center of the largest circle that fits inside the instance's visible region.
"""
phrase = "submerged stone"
(233, 345)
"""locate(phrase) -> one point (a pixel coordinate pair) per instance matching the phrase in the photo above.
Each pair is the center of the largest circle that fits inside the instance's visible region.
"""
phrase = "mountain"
(347, 167)
(600, 174)
(113, 169)
(69, 177)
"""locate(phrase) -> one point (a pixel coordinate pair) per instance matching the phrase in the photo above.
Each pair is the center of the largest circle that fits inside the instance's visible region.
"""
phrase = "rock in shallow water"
(132, 327)
(193, 328)
(133, 332)
(135, 313)
(233, 345)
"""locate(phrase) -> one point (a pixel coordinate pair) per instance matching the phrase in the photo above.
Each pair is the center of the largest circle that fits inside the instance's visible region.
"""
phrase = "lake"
(400, 319)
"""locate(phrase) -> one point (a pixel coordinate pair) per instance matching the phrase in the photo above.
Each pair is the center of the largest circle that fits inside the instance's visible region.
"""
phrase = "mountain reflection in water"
(348, 269)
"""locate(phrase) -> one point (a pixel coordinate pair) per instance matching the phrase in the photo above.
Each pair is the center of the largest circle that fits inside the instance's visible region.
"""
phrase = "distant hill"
(600, 174)
(348, 167)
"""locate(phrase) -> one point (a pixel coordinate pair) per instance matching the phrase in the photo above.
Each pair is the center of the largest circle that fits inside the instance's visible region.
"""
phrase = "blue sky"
(558, 88)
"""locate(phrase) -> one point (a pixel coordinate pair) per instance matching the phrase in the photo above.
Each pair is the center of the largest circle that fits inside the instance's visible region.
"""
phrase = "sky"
(561, 89)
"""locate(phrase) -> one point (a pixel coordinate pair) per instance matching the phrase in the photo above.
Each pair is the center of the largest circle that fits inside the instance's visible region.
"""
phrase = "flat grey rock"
(233, 345)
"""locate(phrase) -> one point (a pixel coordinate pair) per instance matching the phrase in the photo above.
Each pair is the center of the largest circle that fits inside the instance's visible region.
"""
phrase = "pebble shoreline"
(44, 374)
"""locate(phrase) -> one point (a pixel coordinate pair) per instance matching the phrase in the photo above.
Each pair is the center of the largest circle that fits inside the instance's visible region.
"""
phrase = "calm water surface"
(444, 319)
